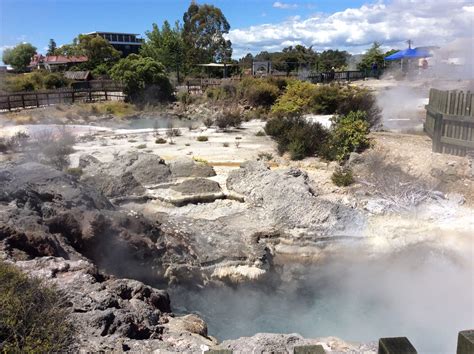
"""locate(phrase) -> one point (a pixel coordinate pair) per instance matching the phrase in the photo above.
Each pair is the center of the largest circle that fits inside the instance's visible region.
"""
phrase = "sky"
(256, 25)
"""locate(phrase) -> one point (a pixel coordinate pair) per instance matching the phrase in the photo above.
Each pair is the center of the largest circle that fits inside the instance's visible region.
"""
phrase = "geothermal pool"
(423, 294)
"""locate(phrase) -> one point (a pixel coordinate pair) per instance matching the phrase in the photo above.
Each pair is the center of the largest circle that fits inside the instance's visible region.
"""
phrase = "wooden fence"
(450, 121)
(34, 99)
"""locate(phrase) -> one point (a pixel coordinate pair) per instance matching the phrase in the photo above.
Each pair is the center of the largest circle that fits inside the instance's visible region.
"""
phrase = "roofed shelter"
(224, 66)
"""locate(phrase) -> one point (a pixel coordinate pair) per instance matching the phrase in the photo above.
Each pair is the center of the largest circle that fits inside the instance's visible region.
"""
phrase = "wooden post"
(105, 95)
(9, 103)
(23, 100)
(437, 132)
(47, 99)
(37, 101)
(72, 96)
(90, 95)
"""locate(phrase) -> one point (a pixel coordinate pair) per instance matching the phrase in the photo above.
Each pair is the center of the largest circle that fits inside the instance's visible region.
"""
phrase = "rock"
(286, 343)
(189, 168)
(456, 198)
(289, 199)
(197, 186)
(108, 312)
(354, 159)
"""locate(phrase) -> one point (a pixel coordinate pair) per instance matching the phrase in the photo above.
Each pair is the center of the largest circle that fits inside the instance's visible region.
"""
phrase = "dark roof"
(77, 75)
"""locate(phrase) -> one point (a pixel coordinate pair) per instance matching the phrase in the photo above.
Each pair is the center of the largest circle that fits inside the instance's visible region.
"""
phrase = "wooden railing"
(450, 121)
(35, 99)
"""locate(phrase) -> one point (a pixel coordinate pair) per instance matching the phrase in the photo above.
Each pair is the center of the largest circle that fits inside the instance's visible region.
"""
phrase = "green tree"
(20, 56)
(203, 34)
(97, 49)
(332, 58)
(373, 55)
(144, 78)
(166, 46)
(51, 47)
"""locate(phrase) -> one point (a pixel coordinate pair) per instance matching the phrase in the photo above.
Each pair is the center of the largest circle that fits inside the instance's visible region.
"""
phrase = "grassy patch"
(202, 138)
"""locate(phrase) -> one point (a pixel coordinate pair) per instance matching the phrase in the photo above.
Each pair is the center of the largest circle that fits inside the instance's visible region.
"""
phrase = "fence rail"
(23, 100)
(450, 121)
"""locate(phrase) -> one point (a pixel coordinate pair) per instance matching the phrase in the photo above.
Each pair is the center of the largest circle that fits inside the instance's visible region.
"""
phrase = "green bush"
(229, 118)
(208, 122)
(261, 94)
(303, 97)
(342, 177)
(53, 81)
(160, 141)
(297, 100)
(202, 138)
(361, 99)
(224, 92)
(349, 134)
(75, 171)
(260, 133)
(141, 146)
(297, 136)
(33, 316)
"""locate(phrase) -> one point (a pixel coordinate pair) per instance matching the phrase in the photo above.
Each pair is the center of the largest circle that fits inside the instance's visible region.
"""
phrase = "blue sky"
(256, 24)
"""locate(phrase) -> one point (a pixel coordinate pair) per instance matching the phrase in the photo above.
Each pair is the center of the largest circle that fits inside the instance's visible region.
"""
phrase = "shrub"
(265, 156)
(184, 97)
(261, 94)
(260, 133)
(141, 146)
(224, 92)
(297, 99)
(53, 81)
(225, 145)
(342, 177)
(160, 141)
(33, 316)
(53, 147)
(349, 134)
(361, 99)
(208, 122)
(296, 135)
(229, 118)
(202, 138)
(75, 171)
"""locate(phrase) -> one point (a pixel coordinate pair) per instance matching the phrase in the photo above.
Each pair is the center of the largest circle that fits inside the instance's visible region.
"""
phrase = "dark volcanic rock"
(197, 186)
(189, 168)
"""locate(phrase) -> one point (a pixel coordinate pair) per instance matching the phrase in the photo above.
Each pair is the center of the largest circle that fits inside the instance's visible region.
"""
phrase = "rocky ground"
(224, 211)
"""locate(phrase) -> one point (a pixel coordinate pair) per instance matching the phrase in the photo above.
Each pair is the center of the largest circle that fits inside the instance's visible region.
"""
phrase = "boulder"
(190, 168)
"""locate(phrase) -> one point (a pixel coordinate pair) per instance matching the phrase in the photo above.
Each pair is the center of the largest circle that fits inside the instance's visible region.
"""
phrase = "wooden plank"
(457, 142)
(455, 118)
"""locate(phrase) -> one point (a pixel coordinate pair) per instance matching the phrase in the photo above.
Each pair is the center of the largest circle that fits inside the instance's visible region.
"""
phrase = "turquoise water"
(422, 295)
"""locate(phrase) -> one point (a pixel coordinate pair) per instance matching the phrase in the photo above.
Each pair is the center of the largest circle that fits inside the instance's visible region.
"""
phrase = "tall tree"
(373, 55)
(166, 46)
(19, 57)
(51, 47)
(203, 34)
(97, 49)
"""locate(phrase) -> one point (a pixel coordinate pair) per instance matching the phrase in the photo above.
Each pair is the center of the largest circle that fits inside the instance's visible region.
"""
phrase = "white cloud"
(284, 5)
(426, 22)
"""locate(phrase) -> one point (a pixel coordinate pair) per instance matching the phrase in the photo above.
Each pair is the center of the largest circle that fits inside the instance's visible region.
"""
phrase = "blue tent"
(410, 53)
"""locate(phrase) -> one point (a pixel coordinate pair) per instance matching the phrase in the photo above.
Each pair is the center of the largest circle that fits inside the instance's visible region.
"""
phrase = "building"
(127, 43)
(56, 62)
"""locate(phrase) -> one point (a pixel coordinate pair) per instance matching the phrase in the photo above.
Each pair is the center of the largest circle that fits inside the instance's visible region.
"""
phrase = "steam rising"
(422, 294)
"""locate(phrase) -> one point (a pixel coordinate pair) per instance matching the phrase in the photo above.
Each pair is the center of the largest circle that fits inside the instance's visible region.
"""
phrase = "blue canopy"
(409, 53)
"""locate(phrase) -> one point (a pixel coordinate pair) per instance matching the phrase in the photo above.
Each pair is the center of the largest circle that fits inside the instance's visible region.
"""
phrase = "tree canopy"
(203, 34)
(144, 78)
(373, 55)
(97, 49)
(51, 47)
(19, 57)
(166, 46)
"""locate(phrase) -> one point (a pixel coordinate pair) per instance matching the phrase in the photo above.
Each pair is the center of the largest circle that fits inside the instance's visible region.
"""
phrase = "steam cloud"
(421, 294)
